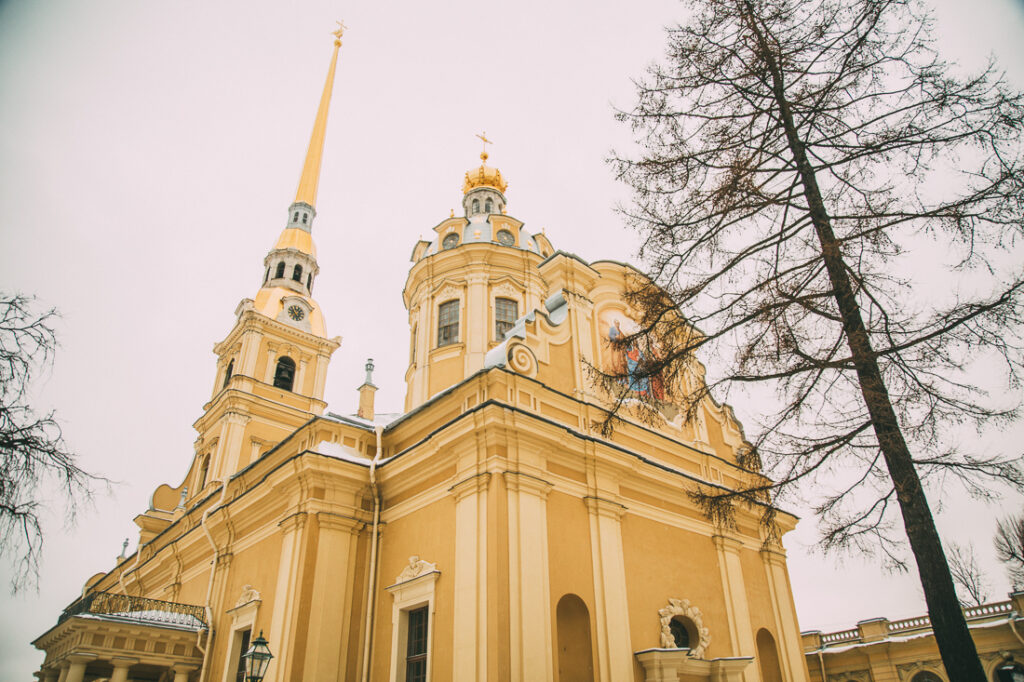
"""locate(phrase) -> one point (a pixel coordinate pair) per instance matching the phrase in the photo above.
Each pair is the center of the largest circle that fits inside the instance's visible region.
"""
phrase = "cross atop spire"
(483, 154)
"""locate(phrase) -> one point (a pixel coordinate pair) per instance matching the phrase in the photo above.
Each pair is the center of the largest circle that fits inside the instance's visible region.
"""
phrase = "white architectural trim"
(413, 588)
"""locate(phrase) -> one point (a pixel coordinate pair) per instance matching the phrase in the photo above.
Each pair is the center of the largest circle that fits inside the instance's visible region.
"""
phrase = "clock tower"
(272, 365)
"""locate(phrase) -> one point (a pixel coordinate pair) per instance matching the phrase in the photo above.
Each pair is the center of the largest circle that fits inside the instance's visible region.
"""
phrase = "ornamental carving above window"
(683, 609)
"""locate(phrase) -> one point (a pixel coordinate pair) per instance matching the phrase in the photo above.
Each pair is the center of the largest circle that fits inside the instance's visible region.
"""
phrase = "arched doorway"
(768, 657)
(575, 656)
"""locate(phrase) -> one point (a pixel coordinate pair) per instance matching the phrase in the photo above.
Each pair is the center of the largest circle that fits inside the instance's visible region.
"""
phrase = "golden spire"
(310, 179)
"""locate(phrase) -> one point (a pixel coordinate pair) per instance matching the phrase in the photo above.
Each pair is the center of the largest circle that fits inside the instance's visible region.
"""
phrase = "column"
(469, 654)
(332, 594)
(529, 589)
(121, 666)
(268, 377)
(286, 596)
(735, 593)
(64, 671)
(247, 355)
(181, 672)
(300, 374)
(76, 671)
(50, 675)
(794, 665)
(232, 428)
(478, 321)
(615, 651)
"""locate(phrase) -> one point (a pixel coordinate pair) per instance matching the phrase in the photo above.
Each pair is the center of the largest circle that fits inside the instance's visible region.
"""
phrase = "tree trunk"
(959, 655)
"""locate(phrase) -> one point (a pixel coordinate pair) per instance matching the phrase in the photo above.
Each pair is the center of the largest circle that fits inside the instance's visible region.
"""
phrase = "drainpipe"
(209, 586)
(374, 541)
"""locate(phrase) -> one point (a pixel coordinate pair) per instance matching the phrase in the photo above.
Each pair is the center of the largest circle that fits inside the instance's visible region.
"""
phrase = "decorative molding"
(682, 607)
(506, 290)
(518, 481)
(468, 486)
(415, 569)
(249, 594)
(522, 360)
(851, 676)
(603, 507)
(907, 671)
(448, 292)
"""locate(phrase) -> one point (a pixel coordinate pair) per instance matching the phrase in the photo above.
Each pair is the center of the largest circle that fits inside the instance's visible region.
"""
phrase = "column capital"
(469, 486)
(773, 555)
(526, 483)
(184, 668)
(123, 661)
(332, 521)
(728, 543)
(290, 524)
(82, 658)
(599, 506)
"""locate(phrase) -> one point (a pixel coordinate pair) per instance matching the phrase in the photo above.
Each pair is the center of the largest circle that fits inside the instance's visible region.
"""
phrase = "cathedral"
(489, 532)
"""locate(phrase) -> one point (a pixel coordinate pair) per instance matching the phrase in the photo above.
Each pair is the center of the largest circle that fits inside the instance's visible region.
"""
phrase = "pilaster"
(794, 665)
(615, 652)
(284, 619)
(327, 641)
(735, 593)
(230, 441)
(530, 646)
(469, 660)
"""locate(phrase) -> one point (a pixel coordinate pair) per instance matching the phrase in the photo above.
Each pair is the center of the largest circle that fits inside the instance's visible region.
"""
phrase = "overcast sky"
(149, 152)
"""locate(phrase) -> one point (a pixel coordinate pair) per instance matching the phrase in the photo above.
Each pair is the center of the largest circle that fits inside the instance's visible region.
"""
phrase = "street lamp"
(257, 658)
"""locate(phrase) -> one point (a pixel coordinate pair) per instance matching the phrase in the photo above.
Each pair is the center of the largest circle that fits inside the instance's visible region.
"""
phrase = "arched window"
(768, 657)
(412, 345)
(575, 652)
(476, 205)
(227, 374)
(309, 281)
(284, 376)
(488, 206)
(305, 218)
(297, 274)
(280, 271)
(506, 312)
(267, 275)
(295, 218)
(448, 323)
(925, 676)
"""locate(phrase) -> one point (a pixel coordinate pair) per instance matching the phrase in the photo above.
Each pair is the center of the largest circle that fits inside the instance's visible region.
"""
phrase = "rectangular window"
(506, 312)
(243, 647)
(416, 648)
(448, 323)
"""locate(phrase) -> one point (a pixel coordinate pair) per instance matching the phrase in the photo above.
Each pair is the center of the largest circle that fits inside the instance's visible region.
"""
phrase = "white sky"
(149, 152)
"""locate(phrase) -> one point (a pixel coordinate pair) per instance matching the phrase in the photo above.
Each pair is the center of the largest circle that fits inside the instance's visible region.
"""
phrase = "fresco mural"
(622, 357)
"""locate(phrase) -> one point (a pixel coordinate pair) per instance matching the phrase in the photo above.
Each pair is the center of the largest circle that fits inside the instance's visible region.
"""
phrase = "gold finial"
(339, 32)
(483, 154)
(452, 214)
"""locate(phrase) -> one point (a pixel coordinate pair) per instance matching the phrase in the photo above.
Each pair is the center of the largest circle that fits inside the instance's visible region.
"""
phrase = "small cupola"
(483, 188)
(366, 392)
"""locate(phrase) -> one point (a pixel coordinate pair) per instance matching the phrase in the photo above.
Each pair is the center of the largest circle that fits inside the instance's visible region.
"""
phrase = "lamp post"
(257, 658)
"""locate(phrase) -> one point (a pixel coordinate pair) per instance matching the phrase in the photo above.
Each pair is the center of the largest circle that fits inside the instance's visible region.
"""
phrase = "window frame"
(277, 373)
(409, 596)
(449, 305)
(499, 333)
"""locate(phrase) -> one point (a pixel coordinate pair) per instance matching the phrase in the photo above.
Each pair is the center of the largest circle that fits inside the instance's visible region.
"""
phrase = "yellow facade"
(540, 549)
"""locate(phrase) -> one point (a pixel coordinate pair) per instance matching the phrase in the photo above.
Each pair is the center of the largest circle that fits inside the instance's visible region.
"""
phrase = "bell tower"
(272, 365)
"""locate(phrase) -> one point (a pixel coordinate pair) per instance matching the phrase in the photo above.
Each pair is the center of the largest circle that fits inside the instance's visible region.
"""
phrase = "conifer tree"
(832, 216)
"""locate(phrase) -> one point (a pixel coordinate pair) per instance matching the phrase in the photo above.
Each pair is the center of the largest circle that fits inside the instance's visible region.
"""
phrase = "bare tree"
(835, 213)
(34, 458)
(967, 576)
(1009, 541)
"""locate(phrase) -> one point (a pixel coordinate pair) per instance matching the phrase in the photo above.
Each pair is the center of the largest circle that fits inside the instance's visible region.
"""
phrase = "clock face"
(296, 313)
(450, 241)
(505, 237)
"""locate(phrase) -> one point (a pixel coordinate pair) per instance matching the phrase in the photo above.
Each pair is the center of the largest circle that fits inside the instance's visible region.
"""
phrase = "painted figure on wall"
(625, 357)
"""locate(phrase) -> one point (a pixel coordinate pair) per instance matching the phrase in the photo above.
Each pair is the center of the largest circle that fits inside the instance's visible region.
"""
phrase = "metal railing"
(137, 609)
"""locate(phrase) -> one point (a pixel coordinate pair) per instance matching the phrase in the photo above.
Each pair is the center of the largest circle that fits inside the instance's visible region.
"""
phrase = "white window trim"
(242, 618)
(408, 596)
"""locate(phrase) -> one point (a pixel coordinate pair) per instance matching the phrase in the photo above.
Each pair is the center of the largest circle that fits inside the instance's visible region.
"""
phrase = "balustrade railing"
(139, 609)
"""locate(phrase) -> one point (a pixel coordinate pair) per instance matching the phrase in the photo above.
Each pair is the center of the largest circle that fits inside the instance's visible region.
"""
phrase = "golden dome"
(484, 176)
